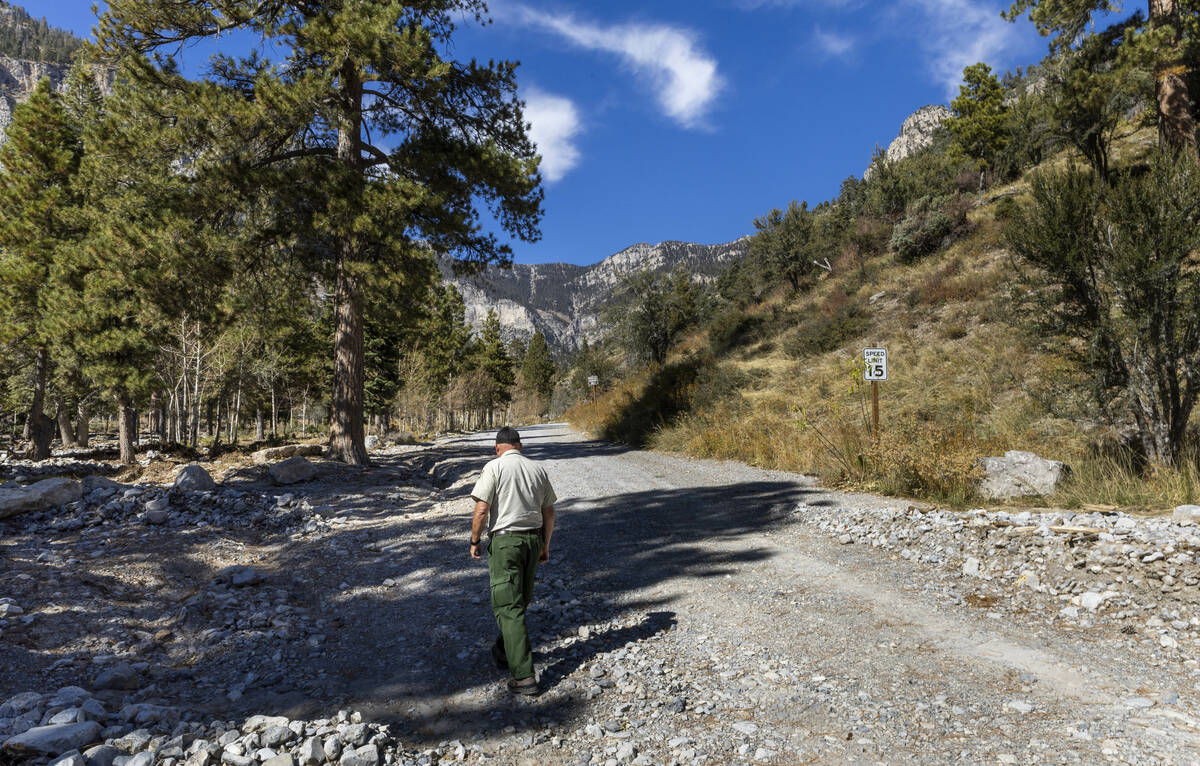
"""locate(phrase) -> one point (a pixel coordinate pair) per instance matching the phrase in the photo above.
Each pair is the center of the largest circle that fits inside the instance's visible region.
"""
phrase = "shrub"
(927, 227)
(839, 321)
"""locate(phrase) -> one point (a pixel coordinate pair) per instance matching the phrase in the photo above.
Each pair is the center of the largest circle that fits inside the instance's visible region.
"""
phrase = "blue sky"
(686, 119)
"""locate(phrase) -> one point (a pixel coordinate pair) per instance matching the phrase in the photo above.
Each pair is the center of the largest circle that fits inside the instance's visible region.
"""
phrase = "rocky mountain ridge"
(916, 133)
(18, 79)
(564, 300)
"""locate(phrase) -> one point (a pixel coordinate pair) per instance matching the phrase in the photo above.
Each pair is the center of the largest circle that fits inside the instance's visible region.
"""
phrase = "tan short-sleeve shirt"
(515, 489)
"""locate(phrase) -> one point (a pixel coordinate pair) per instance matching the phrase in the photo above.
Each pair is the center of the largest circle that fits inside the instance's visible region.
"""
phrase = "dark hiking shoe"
(527, 687)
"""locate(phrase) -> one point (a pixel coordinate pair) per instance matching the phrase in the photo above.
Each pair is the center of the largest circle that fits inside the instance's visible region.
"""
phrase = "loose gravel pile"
(1139, 574)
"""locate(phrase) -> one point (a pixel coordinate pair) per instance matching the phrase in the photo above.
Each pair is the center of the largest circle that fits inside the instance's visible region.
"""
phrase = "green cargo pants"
(512, 563)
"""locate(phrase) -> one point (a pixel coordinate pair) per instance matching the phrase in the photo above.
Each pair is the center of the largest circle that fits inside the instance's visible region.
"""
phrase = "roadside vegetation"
(1032, 274)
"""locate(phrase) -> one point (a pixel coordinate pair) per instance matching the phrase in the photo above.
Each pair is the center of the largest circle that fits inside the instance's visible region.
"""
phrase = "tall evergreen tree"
(310, 133)
(537, 368)
(37, 166)
(980, 116)
(493, 360)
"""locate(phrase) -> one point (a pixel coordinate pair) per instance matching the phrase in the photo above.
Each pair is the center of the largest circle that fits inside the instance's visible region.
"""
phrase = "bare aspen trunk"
(274, 420)
(347, 441)
(39, 429)
(195, 436)
(258, 421)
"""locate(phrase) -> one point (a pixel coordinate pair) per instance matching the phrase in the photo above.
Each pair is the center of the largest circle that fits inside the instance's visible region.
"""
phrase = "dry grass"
(966, 382)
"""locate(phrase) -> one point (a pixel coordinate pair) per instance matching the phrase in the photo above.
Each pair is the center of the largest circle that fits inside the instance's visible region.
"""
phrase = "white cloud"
(554, 124)
(958, 33)
(832, 43)
(671, 61)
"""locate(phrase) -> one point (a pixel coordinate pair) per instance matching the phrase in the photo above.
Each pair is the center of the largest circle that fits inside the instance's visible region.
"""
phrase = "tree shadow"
(415, 652)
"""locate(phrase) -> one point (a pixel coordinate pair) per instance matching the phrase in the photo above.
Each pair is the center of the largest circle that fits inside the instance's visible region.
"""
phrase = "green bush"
(927, 227)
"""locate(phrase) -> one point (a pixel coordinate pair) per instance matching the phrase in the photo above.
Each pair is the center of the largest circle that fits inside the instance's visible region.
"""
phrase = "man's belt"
(517, 532)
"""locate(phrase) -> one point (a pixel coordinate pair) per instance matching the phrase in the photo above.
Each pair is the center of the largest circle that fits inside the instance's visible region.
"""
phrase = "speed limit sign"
(875, 364)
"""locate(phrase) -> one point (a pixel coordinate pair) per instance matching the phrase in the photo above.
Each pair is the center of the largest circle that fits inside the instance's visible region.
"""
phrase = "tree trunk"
(274, 415)
(347, 440)
(126, 427)
(38, 427)
(1176, 116)
(65, 431)
(83, 421)
(258, 422)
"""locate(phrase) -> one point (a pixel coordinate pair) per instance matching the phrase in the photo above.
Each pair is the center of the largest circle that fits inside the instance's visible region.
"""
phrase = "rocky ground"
(692, 612)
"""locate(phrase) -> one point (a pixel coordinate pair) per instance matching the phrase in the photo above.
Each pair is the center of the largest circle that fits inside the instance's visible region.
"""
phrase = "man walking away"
(515, 503)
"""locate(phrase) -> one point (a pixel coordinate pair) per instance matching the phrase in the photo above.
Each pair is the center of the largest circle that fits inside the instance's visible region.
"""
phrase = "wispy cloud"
(831, 43)
(670, 60)
(951, 34)
(553, 125)
(958, 33)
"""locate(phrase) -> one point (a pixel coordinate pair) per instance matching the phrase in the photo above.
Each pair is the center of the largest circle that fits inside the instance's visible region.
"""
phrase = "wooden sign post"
(593, 381)
(875, 370)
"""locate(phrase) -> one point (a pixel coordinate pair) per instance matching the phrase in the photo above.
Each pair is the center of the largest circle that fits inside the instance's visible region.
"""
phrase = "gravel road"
(693, 612)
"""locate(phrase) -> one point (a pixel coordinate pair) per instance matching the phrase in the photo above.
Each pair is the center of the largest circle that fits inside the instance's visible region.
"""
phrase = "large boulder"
(1020, 474)
(53, 740)
(193, 478)
(275, 454)
(292, 471)
(39, 496)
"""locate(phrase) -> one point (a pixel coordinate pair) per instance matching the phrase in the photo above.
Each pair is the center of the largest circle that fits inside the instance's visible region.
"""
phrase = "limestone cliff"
(564, 301)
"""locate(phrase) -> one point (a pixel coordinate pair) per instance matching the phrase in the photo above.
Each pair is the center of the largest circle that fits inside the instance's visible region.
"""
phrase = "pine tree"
(980, 116)
(537, 368)
(1167, 45)
(493, 360)
(37, 166)
(358, 72)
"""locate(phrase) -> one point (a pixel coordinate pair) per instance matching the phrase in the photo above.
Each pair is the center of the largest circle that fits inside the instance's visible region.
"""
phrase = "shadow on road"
(416, 654)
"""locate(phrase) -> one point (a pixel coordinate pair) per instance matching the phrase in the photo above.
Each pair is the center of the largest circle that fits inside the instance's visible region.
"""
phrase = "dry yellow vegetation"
(966, 380)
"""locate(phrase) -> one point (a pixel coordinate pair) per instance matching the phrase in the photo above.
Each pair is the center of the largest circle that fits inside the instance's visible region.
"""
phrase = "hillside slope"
(779, 384)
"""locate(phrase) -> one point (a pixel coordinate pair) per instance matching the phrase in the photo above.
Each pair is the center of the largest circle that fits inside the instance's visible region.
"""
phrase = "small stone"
(677, 705)
(144, 758)
(276, 736)
(193, 478)
(311, 753)
(73, 758)
(1139, 703)
(292, 471)
(1021, 706)
(970, 567)
(367, 755)
(1091, 600)
(845, 539)
(745, 727)
(102, 755)
(121, 676)
(53, 740)
(332, 748)
(626, 752)
(284, 759)
(1186, 514)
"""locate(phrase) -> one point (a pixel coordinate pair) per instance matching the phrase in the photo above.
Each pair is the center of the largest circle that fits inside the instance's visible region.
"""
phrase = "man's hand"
(542, 559)
(477, 550)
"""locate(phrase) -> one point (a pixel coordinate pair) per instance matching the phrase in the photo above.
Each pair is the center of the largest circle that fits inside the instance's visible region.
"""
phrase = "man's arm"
(478, 524)
(547, 531)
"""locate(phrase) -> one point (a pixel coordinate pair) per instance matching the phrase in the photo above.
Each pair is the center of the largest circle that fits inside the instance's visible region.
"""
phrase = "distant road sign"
(875, 364)
(593, 380)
